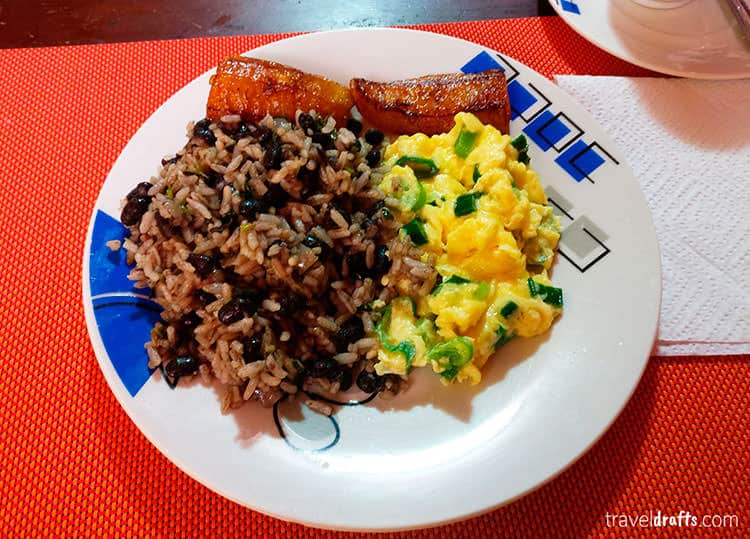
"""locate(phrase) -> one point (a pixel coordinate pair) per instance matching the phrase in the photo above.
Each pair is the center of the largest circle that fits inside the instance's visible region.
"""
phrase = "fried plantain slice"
(253, 88)
(428, 104)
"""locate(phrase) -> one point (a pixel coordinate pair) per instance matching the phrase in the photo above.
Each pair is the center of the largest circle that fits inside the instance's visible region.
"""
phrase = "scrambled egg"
(470, 198)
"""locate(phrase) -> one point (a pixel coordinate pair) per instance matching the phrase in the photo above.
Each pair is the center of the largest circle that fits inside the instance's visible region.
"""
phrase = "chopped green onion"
(532, 287)
(549, 294)
(475, 175)
(415, 230)
(170, 193)
(452, 355)
(540, 260)
(520, 143)
(422, 167)
(453, 279)
(508, 309)
(503, 336)
(482, 291)
(466, 204)
(465, 142)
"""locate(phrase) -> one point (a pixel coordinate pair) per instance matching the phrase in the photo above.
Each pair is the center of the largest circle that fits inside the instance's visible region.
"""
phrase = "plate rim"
(117, 388)
(567, 17)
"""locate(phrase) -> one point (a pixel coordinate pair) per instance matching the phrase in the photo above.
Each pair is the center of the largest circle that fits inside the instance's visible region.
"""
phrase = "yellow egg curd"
(470, 198)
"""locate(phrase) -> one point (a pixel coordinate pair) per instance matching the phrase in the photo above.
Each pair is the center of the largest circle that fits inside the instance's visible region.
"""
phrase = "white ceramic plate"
(434, 454)
(696, 39)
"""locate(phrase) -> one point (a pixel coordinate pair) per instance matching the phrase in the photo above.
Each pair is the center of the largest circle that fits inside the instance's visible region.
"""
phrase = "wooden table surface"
(39, 23)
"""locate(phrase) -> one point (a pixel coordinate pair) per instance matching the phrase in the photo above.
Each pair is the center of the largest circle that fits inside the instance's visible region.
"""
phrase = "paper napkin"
(688, 143)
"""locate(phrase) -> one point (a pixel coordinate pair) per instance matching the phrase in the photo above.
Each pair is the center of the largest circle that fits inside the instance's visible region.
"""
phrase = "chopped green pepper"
(465, 142)
(405, 348)
(425, 328)
(422, 167)
(415, 230)
(466, 204)
(508, 309)
(411, 194)
(452, 355)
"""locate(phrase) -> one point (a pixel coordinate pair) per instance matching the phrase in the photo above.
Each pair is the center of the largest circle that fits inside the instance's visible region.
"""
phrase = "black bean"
(312, 242)
(355, 146)
(324, 139)
(165, 226)
(382, 263)
(369, 382)
(204, 297)
(134, 210)
(230, 220)
(276, 196)
(231, 312)
(190, 321)
(182, 366)
(342, 375)
(291, 304)
(379, 205)
(373, 157)
(213, 178)
(203, 264)
(171, 160)
(357, 264)
(354, 125)
(203, 131)
(242, 131)
(248, 305)
(272, 156)
(374, 137)
(251, 207)
(310, 180)
(140, 190)
(322, 368)
(251, 349)
(306, 122)
(350, 331)
(264, 135)
(248, 298)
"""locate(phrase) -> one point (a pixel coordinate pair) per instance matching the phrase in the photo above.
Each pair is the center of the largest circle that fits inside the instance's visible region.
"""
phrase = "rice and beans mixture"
(266, 245)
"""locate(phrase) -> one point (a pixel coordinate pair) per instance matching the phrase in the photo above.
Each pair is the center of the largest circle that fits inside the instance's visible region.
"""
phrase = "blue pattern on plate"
(570, 6)
(108, 269)
(546, 130)
(124, 315)
(580, 160)
(545, 127)
(520, 99)
(481, 62)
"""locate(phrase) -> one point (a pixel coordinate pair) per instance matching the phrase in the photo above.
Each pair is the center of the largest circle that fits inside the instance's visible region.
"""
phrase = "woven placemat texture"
(72, 462)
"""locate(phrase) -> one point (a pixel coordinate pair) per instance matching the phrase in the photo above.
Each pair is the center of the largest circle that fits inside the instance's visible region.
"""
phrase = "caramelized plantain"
(428, 104)
(253, 88)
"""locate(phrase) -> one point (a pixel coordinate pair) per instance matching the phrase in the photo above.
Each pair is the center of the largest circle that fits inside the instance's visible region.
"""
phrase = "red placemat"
(72, 462)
